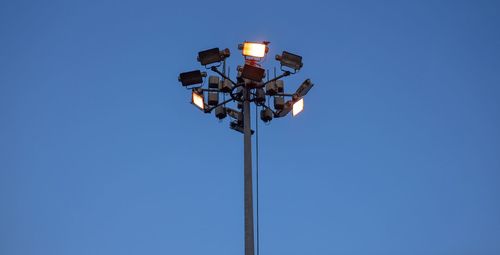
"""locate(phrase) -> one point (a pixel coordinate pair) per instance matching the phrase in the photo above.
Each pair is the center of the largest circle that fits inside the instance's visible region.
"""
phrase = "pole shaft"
(248, 186)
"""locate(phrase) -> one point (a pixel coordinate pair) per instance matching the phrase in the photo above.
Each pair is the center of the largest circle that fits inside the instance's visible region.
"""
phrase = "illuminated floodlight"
(290, 60)
(198, 100)
(192, 77)
(211, 56)
(254, 49)
(298, 107)
(253, 73)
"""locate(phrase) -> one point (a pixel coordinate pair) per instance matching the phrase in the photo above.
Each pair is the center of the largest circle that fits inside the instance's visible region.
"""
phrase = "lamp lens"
(298, 107)
(257, 50)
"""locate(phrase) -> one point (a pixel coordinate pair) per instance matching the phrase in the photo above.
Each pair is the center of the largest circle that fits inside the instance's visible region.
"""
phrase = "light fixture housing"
(279, 102)
(290, 60)
(254, 49)
(286, 109)
(266, 115)
(298, 107)
(271, 88)
(260, 96)
(213, 82)
(275, 87)
(226, 86)
(303, 89)
(213, 98)
(220, 112)
(238, 116)
(192, 77)
(198, 99)
(280, 86)
(211, 56)
(253, 73)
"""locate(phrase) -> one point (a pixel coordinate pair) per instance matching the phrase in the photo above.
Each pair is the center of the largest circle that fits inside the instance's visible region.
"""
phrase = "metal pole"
(248, 186)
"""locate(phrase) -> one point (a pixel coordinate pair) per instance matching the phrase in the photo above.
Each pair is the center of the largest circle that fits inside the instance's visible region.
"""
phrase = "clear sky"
(396, 152)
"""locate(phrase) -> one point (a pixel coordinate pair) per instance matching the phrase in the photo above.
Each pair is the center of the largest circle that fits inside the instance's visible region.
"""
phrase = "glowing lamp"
(298, 107)
(252, 49)
(198, 100)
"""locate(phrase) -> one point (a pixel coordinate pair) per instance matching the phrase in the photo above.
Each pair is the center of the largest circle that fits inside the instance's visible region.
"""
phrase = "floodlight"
(213, 98)
(253, 73)
(220, 112)
(260, 96)
(303, 89)
(211, 56)
(213, 82)
(226, 86)
(198, 99)
(192, 77)
(290, 60)
(279, 102)
(266, 115)
(298, 107)
(254, 49)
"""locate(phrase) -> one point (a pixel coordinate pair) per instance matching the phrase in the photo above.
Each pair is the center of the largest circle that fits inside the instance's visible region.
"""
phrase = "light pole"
(249, 87)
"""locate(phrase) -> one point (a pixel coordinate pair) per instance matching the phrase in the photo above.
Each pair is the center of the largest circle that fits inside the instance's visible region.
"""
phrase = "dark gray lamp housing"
(266, 115)
(252, 73)
(286, 109)
(213, 82)
(274, 87)
(213, 98)
(211, 56)
(279, 102)
(226, 86)
(303, 89)
(192, 77)
(290, 60)
(220, 112)
(260, 96)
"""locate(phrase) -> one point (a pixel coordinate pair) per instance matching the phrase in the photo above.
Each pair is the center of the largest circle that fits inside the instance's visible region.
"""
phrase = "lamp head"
(192, 77)
(290, 60)
(254, 49)
(211, 56)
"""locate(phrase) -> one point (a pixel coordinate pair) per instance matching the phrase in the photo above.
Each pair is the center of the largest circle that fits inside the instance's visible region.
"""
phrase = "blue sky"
(396, 152)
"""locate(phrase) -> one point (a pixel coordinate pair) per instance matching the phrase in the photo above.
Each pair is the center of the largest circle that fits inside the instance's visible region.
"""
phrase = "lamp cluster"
(249, 84)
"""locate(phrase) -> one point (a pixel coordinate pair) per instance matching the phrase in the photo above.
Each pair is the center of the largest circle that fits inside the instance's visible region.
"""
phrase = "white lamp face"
(198, 100)
(298, 107)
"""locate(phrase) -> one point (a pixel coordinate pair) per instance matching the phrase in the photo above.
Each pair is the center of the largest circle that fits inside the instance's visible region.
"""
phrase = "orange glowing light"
(257, 50)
